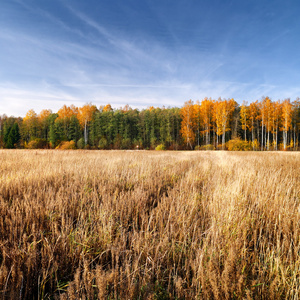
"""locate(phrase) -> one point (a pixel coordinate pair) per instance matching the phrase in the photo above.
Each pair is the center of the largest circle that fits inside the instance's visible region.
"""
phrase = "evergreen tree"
(53, 137)
(13, 136)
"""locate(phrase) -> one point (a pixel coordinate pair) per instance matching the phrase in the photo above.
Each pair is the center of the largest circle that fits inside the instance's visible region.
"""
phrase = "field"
(149, 225)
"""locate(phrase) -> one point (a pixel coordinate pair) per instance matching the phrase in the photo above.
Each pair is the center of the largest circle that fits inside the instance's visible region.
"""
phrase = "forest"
(209, 124)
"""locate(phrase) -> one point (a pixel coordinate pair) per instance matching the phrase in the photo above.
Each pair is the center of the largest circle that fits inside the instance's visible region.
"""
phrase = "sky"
(146, 52)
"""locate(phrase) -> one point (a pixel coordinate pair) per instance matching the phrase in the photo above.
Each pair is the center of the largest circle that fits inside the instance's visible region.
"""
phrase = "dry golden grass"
(149, 225)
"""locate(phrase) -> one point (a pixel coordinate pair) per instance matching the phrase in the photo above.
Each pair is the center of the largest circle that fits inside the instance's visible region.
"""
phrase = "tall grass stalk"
(149, 225)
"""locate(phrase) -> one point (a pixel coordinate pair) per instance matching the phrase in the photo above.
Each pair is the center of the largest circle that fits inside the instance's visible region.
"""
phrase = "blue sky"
(146, 52)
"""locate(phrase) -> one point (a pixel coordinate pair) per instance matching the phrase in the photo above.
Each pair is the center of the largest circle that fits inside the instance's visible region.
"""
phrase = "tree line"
(204, 125)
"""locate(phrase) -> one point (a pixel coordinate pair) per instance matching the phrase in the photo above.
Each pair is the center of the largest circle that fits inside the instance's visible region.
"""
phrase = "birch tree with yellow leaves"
(29, 126)
(286, 120)
(223, 113)
(84, 116)
(244, 112)
(206, 111)
(253, 117)
(43, 123)
(187, 113)
(277, 111)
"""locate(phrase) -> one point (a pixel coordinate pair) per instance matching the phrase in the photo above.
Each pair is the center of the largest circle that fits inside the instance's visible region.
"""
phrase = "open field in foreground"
(149, 225)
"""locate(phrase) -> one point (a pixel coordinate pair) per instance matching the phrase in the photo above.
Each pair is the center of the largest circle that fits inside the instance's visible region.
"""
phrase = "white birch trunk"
(262, 135)
(85, 132)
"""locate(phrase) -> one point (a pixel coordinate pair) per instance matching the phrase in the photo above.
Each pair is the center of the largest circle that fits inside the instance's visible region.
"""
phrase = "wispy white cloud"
(81, 59)
(132, 52)
(52, 18)
(16, 100)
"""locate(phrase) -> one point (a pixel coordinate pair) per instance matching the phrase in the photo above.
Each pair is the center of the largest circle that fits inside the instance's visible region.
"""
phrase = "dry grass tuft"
(149, 225)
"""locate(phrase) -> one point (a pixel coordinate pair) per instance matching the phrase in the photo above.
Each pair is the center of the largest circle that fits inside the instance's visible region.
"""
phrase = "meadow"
(149, 225)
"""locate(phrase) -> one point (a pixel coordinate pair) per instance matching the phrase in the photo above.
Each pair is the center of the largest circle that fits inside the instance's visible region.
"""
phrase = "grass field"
(149, 225)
